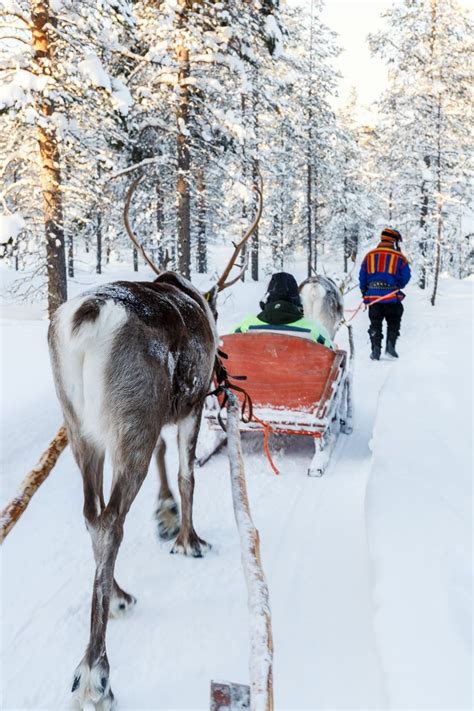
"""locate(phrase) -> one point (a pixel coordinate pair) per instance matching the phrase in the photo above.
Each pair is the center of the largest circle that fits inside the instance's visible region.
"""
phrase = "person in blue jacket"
(384, 271)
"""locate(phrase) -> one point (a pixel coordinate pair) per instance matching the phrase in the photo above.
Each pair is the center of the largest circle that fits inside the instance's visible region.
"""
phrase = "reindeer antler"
(128, 227)
(222, 283)
(344, 285)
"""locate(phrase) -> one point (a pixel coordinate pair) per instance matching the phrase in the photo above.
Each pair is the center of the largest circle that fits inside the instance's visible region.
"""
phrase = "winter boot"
(376, 350)
(390, 348)
(375, 333)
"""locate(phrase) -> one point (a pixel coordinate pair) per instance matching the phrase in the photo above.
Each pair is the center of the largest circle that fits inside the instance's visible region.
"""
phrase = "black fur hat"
(282, 287)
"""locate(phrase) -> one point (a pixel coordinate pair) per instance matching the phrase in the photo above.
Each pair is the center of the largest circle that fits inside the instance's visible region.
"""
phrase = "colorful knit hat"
(389, 235)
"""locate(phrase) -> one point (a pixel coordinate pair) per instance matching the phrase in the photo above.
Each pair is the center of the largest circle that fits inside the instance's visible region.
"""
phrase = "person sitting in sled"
(282, 312)
(384, 271)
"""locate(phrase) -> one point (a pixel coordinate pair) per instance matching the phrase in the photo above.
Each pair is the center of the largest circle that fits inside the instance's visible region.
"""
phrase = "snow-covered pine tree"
(53, 93)
(297, 133)
(352, 198)
(428, 44)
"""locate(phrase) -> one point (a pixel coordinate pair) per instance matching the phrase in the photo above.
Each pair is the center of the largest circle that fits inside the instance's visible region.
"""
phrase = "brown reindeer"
(129, 358)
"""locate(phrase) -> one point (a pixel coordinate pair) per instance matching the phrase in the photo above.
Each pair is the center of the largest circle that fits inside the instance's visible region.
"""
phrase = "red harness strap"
(363, 304)
(267, 430)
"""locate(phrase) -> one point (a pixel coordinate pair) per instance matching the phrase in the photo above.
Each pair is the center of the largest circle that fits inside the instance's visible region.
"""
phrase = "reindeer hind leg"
(188, 542)
(90, 459)
(91, 679)
(167, 512)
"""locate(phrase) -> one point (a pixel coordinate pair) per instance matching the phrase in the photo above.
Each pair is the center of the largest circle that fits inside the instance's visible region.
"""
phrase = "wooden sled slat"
(283, 371)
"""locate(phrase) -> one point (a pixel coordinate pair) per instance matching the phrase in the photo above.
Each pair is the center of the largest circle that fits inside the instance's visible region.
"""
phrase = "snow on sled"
(297, 387)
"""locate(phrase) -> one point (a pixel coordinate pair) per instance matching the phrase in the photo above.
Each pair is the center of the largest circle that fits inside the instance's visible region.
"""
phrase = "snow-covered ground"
(368, 567)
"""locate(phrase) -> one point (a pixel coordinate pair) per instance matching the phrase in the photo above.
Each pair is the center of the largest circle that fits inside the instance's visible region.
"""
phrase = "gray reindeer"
(129, 358)
(323, 301)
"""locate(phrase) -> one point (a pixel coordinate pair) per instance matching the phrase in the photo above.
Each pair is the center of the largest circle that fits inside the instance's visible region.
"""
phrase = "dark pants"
(392, 313)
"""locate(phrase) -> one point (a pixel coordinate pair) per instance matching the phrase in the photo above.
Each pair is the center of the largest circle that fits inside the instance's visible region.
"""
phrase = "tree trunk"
(280, 234)
(309, 210)
(255, 241)
(438, 260)
(183, 154)
(354, 245)
(275, 240)
(309, 166)
(255, 245)
(345, 241)
(244, 210)
(70, 256)
(439, 232)
(98, 267)
(346, 250)
(201, 223)
(315, 223)
(423, 225)
(161, 250)
(135, 260)
(50, 176)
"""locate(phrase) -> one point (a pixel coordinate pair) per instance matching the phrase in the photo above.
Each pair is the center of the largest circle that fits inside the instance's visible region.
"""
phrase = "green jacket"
(302, 325)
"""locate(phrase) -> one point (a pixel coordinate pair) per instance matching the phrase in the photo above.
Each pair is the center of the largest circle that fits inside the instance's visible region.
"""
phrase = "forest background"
(183, 106)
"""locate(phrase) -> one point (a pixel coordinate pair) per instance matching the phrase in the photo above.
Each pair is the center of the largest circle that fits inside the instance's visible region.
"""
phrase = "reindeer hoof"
(121, 605)
(193, 546)
(167, 517)
(91, 687)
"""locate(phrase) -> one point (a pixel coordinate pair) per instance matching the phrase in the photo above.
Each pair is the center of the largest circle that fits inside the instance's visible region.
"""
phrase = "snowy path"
(190, 624)
(320, 584)
(314, 552)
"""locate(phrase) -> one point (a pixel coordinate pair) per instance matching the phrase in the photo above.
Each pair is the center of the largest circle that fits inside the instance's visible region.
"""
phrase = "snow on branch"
(10, 226)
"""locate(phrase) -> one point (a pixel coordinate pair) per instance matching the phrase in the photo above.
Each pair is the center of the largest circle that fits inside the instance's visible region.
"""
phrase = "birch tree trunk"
(50, 176)
(183, 154)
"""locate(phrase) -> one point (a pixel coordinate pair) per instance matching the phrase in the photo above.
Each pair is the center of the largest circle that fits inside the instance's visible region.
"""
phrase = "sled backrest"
(282, 372)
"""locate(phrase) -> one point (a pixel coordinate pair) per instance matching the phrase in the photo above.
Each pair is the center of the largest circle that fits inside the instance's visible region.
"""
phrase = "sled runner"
(297, 387)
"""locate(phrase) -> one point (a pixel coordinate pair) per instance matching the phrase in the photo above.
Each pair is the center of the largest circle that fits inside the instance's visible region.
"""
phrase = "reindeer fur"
(322, 302)
(128, 359)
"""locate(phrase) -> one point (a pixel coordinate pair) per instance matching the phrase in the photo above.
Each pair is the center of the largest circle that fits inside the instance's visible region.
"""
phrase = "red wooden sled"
(297, 387)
